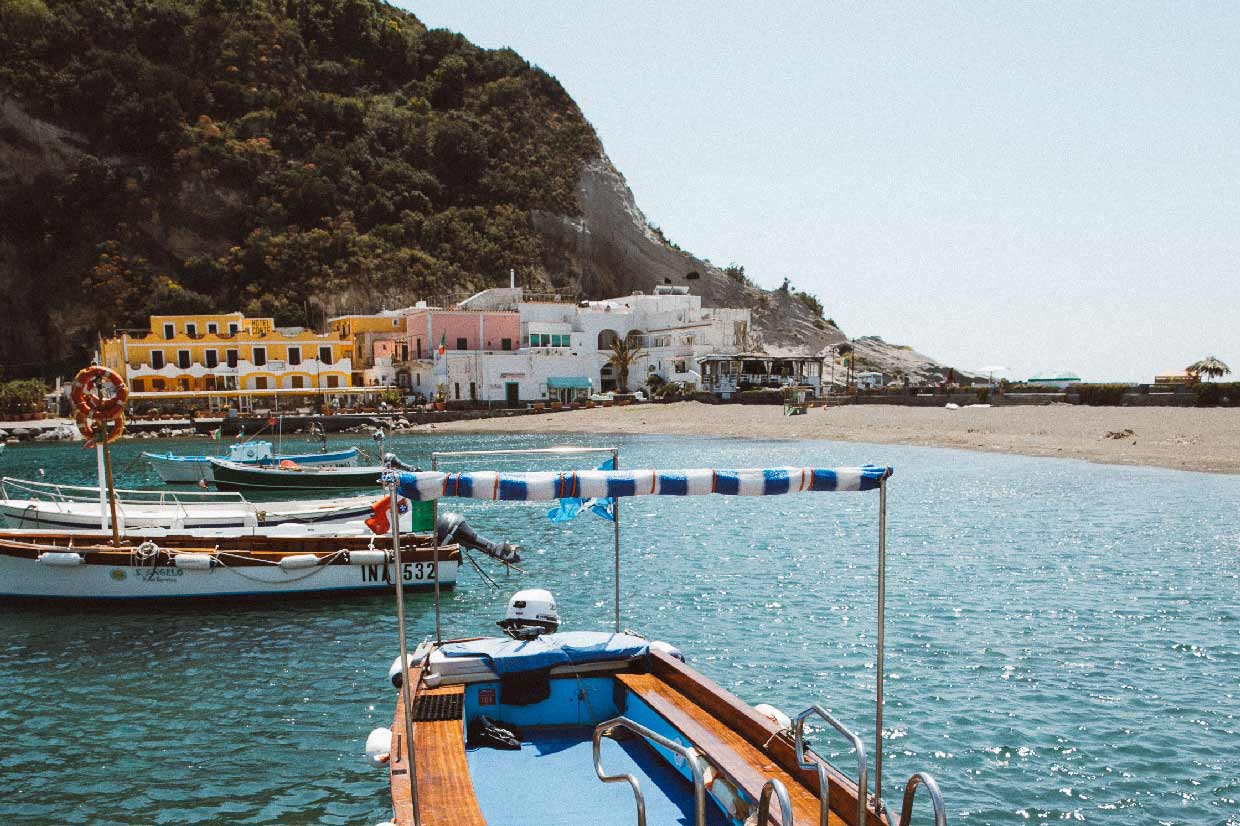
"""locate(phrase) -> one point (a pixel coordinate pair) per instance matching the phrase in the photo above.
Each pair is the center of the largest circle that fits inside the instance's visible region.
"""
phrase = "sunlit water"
(1063, 642)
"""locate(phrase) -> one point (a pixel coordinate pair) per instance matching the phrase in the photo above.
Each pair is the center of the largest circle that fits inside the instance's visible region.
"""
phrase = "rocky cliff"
(303, 158)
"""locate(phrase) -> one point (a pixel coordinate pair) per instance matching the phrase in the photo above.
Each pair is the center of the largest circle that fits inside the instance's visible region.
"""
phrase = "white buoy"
(192, 561)
(774, 715)
(291, 563)
(668, 649)
(416, 656)
(61, 559)
(379, 746)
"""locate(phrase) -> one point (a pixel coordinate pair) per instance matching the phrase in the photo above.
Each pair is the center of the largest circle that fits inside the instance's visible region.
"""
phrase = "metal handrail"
(824, 801)
(785, 804)
(90, 493)
(688, 752)
(936, 799)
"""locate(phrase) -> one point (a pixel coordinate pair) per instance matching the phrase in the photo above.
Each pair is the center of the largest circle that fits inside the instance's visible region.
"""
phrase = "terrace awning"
(546, 486)
(568, 383)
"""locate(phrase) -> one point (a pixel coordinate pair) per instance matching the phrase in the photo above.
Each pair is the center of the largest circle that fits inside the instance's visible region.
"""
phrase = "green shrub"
(811, 301)
(21, 397)
(1101, 395)
(1212, 393)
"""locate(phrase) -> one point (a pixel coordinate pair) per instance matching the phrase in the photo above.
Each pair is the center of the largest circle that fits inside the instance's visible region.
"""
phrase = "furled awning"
(582, 484)
(568, 383)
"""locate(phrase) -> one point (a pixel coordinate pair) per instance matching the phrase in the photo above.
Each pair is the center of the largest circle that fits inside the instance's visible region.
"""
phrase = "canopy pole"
(882, 619)
(435, 551)
(406, 691)
(615, 523)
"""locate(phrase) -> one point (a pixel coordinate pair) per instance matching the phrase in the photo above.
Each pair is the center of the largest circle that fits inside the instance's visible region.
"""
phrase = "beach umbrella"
(1210, 367)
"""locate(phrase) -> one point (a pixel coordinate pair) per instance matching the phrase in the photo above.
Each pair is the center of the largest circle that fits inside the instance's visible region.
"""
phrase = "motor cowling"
(531, 613)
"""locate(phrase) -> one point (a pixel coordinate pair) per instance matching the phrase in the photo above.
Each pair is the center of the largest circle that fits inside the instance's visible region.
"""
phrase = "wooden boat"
(176, 468)
(77, 567)
(235, 476)
(42, 505)
(600, 724)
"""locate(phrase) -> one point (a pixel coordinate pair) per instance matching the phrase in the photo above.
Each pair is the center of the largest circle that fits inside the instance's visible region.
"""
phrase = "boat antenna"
(615, 524)
(398, 577)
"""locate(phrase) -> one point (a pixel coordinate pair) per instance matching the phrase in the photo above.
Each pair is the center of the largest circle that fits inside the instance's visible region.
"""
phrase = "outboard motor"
(391, 462)
(452, 527)
(531, 613)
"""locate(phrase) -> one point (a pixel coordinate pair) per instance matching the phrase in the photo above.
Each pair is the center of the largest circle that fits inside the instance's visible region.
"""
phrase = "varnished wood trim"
(740, 717)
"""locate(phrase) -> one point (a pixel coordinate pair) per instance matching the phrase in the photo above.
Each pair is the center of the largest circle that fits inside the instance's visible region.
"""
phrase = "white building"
(565, 347)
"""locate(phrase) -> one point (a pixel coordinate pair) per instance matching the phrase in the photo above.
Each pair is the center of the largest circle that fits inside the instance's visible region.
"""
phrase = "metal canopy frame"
(878, 806)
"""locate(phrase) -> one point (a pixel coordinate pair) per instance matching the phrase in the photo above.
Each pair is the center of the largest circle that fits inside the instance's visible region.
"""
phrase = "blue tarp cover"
(507, 656)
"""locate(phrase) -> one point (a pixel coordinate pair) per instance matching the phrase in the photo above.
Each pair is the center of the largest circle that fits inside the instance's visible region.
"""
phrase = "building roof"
(1054, 375)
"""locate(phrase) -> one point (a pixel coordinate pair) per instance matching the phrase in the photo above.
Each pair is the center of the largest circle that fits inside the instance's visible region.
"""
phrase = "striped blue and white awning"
(545, 486)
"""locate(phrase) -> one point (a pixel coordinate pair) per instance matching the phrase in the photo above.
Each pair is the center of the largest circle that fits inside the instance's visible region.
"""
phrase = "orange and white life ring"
(89, 396)
(92, 428)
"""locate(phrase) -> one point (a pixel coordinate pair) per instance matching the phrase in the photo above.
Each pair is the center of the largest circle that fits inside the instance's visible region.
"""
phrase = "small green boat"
(236, 476)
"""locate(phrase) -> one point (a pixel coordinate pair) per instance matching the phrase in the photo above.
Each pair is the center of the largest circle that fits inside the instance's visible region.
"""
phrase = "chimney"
(512, 279)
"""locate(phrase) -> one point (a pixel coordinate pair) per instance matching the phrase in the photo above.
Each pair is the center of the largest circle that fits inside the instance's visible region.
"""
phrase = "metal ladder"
(910, 791)
(688, 752)
(785, 805)
(824, 788)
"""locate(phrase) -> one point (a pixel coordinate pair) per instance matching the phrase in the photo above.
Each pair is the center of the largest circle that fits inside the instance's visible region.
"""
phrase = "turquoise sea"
(1063, 641)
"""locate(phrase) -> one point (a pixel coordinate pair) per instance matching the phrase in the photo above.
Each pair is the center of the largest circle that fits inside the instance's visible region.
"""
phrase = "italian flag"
(443, 342)
(215, 434)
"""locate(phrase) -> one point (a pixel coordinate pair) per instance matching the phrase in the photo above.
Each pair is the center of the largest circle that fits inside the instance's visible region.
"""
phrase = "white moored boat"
(44, 567)
(41, 505)
(176, 469)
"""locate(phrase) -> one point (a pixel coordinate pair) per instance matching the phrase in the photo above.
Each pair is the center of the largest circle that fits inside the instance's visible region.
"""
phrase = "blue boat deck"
(551, 782)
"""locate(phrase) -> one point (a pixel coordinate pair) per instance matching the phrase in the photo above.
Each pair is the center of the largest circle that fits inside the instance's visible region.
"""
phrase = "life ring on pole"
(93, 427)
(89, 398)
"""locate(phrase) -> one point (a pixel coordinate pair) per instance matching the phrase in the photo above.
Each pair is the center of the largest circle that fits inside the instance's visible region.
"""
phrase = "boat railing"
(936, 799)
(85, 493)
(824, 787)
(785, 804)
(690, 754)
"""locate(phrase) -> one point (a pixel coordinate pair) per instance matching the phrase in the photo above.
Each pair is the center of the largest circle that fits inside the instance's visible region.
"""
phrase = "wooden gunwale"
(445, 790)
(746, 765)
(735, 715)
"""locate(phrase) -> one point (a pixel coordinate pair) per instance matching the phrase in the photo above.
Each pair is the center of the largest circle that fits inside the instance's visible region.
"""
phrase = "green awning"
(568, 383)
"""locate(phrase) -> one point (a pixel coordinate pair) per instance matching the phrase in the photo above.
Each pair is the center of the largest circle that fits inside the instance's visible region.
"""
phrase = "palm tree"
(1210, 367)
(623, 353)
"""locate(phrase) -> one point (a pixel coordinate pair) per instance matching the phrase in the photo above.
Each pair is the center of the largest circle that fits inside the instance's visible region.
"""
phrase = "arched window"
(635, 338)
(606, 338)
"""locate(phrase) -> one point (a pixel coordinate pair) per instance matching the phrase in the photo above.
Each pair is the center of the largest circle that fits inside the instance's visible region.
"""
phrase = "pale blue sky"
(1037, 185)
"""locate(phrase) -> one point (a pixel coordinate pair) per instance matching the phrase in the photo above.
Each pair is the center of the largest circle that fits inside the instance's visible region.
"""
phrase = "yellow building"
(380, 347)
(193, 354)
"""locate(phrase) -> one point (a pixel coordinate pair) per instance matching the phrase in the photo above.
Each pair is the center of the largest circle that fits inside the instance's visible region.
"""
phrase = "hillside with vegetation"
(297, 159)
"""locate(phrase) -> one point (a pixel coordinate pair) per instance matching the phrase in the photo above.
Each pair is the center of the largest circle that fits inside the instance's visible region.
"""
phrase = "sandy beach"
(1206, 439)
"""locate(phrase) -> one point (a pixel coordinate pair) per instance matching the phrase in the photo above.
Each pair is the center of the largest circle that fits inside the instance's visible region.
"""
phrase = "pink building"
(462, 330)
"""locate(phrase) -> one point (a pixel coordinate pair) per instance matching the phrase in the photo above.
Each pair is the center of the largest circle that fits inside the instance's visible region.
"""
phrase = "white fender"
(61, 559)
(774, 715)
(668, 649)
(193, 561)
(367, 557)
(290, 563)
(416, 656)
(379, 746)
